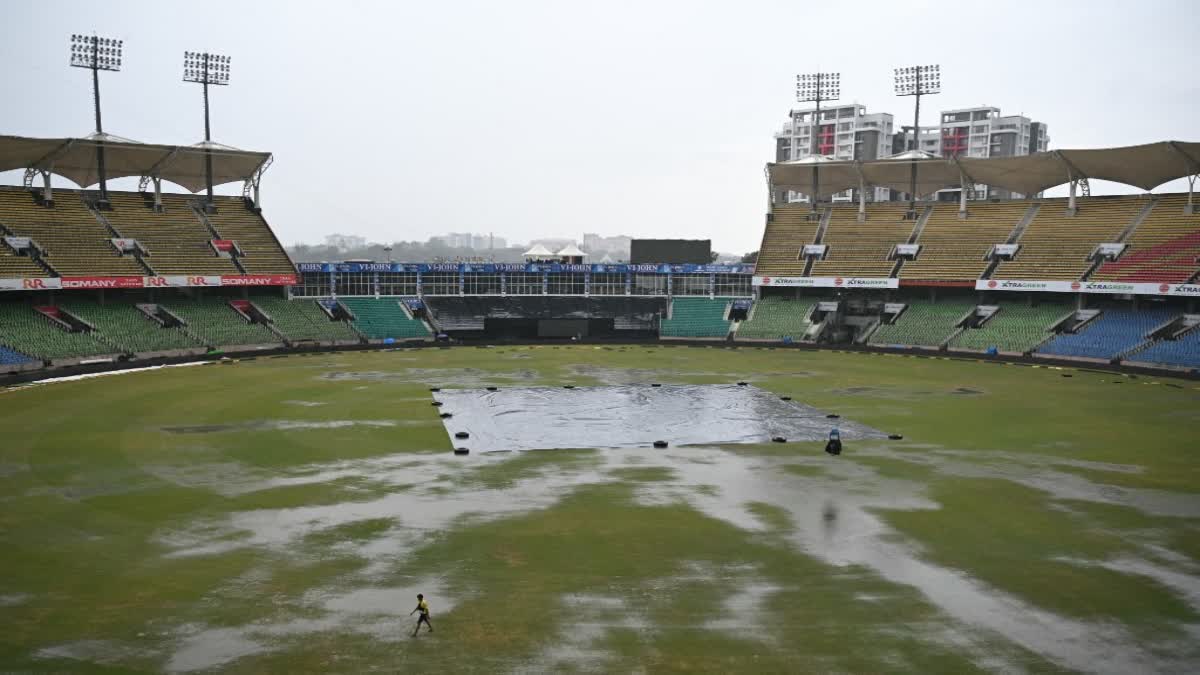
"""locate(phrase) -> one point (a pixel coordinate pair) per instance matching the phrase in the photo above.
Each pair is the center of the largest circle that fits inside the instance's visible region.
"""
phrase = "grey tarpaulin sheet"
(542, 418)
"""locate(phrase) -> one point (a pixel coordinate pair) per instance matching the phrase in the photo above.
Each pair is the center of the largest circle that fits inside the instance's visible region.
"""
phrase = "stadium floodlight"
(205, 69)
(97, 53)
(916, 81)
(814, 88)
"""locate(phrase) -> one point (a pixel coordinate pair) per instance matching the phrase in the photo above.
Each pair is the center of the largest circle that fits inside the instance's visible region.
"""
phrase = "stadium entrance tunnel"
(632, 416)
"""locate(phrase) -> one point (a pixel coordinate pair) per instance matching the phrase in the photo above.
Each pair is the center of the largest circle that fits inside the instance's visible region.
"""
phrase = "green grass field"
(279, 515)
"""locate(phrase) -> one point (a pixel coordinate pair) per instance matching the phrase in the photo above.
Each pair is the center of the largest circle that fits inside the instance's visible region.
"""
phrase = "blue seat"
(1113, 332)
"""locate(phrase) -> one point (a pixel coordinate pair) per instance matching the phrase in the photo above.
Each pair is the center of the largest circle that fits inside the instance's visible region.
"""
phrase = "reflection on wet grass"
(1008, 536)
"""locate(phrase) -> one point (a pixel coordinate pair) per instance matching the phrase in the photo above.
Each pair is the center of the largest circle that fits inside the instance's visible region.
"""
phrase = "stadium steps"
(26, 330)
(263, 254)
(1114, 332)
(90, 200)
(383, 318)
(1121, 238)
(14, 266)
(774, 318)
(923, 324)
(199, 210)
(123, 324)
(215, 322)
(912, 238)
(1056, 245)
(696, 318)
(787, 231)
(73, 241)
(177, 242)
(862, 249)
(1015, 328)
(954, 249)
(1182, 352)
(1013, 238)
(1164, 247)
(304, 320)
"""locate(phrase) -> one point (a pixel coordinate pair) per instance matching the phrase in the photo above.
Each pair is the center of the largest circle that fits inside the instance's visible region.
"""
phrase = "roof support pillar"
(158, 205)
(862, 199)
(962, 196)
(48, 187)
(1191, 207)
(1071, 197)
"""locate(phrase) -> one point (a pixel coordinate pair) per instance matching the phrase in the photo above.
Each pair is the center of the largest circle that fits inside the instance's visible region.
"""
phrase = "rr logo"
(35, 284)
(155, 282)
(197, 281)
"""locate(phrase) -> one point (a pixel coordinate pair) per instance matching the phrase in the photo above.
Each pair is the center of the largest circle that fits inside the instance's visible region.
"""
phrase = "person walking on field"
(423, 608)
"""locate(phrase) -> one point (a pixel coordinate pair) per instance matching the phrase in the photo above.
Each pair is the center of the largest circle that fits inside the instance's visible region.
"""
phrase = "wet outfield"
(289, 527)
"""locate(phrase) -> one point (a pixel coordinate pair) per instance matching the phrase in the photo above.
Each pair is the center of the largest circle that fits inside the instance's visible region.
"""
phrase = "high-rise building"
(848, 132)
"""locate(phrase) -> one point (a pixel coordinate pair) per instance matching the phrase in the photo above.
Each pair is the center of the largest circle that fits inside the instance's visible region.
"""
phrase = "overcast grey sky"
(555, 118)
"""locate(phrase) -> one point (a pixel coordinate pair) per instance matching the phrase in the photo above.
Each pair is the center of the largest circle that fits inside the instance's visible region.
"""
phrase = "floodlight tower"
(96, 54)
(814, 88)
(205, 69)
(917, 81)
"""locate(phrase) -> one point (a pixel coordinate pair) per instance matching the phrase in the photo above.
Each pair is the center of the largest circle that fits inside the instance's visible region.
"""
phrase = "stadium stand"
(177, 240)
(774, 318)
(16, 266)
(1056, 246)
(74, 241)
(1183, 352)
(696, 318)
(382, 318)
(1015, 328)
(1114, 332)
(262, 252)
(923, 323)
(9, 357)
(783, 239)
(1165, 247)
(862, 249)
(125, 325)
(214, 321)
(25, 330)
(304, 320)
(953, 249)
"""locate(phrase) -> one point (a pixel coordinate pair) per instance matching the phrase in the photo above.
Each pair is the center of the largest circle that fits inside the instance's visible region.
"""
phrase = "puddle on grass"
(283, 425)
(381, 613)
(305, 404)
(829, 513)
(543, 418)
(441, 377)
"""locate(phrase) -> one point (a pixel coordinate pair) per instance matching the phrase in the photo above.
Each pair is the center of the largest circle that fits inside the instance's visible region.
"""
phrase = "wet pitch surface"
(631, 416)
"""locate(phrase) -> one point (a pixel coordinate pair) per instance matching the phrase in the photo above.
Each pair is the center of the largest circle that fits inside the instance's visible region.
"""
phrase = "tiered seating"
(304, 320)
(75, 243)
(263, 254)
(1015, 328)
(123, 324)
(384, 318)
(25, 330)
(775, 318)
(177, 240)
(1055, 246)
(924, 323)
(861, 249)
(1164, 247)
(953, 249)
(1115, 331)
(13, 266)
(9, 357)
(218, 324)
(1184, 351)
(783, 241)
(696, 318)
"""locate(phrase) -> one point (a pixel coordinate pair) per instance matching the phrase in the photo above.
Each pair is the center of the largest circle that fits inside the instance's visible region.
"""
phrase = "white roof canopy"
(75, 159)
(539, 251)
(1143, 166)
(571, 251)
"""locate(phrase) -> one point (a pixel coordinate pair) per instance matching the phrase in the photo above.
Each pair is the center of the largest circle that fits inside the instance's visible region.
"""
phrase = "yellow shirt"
(423, 606)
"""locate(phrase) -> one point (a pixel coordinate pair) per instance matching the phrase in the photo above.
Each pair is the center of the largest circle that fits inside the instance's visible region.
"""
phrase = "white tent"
(570, 251)
(539, 252)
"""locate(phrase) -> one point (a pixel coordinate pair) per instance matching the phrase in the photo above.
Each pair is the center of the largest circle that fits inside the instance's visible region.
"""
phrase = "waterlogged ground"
(279, 515)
